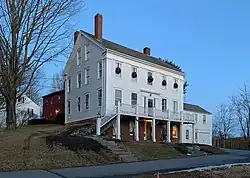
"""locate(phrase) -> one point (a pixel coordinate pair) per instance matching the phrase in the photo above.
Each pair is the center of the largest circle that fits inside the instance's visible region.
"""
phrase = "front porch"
(128, 122)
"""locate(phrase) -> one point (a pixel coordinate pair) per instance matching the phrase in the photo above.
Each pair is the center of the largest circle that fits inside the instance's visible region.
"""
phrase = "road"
(120, 170)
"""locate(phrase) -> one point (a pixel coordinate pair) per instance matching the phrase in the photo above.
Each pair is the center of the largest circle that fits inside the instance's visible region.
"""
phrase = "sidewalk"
(132, 168)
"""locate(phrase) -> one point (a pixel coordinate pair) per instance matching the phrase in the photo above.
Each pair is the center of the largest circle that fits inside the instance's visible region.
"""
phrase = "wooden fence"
(233, 143)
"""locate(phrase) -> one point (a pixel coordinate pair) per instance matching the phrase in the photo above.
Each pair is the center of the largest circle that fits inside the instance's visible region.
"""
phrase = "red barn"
(53, 105)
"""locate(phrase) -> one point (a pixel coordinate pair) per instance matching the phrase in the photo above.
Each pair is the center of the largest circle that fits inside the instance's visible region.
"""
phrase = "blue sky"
(210, 40)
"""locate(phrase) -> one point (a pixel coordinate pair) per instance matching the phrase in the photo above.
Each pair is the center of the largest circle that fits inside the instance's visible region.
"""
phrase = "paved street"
(235, 156)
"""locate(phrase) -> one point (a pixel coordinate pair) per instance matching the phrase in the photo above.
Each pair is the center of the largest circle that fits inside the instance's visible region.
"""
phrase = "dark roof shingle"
(122, 49)
(195, 108)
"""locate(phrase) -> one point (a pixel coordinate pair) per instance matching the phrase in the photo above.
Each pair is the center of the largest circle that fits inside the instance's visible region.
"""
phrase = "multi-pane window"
(79, 104)
(164, 105)
(118, 96)
(99, 97)
(175, 106)
(150, 76)
(69, 105)
(79, 80)
(187, 134)
(87, 75)
(196, 118)
(78, 57)
(87, 99)
(133, 99)
(204, 119)
(86, 52)
(99, 69)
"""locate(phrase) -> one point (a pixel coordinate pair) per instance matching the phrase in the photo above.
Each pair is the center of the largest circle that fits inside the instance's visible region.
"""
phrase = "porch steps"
(125, 156)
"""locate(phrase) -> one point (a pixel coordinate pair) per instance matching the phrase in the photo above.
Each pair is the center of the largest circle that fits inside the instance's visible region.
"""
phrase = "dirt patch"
(48, 148)
(233, 172)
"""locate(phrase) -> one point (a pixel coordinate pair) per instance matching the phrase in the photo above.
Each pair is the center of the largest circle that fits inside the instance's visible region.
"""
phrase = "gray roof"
(114, 46)
(195, 108)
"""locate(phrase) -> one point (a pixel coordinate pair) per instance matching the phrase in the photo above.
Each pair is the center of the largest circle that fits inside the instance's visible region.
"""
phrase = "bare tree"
(32, 32)
(241, 109)
(224, 123)
(58, 82)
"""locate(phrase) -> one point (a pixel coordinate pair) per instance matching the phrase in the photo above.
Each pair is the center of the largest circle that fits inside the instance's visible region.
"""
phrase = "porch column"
(168, 132)
(153, 130)
(98, 126)
(137, 128)
(118, 122)
(181, 132)
(193, 133)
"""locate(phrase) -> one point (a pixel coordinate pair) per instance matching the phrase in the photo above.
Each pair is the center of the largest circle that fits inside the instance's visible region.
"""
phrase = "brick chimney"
(146, 51)
(76, 34)
(98, 26)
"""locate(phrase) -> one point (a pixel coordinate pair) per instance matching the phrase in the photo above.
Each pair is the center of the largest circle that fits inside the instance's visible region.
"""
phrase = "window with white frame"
(78, 57)
(69, 107)
(149, 76)
(99, 69)
(164, 105)
(99, 97)
(87, 101)
(164, 79)
(79, 104)
(196, 118)
(204, 119)
(79, 80)
(187, 134)
(118, 65)
(86, 52)
(175, 106)
(118, 96)
(133, 99)
(87, 75)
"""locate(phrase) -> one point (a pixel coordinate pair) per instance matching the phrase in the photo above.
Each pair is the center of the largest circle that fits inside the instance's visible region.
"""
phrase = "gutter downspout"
(103, 111)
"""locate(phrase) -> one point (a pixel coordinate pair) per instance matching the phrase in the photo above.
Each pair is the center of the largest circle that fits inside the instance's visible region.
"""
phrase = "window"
(99, 97)
(87, 77)
(164, 105)
(86, 52)
(187, 134)
(19, 99)
(99, 69)
(118, 65)
(196, 135)
(69, 84)
(175, 106)
(78, 57)
(59, 97)
(79, 80)
(196, 118)
(87, 101)
(69, 109)
(32, 112)
(150, 76)
(79, 104)
(118, 97)
(28, 110)
(133, 99)
(51, 102)
(164, 78)
(204, 119)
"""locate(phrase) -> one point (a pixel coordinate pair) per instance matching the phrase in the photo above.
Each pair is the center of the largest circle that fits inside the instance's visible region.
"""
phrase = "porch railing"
(188, 117)
(128, 109)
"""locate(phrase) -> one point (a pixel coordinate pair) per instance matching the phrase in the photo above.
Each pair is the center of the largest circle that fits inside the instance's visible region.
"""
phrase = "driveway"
(116, 170)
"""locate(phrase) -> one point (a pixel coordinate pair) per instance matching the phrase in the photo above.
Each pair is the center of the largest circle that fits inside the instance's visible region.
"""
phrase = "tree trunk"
(11, 113)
